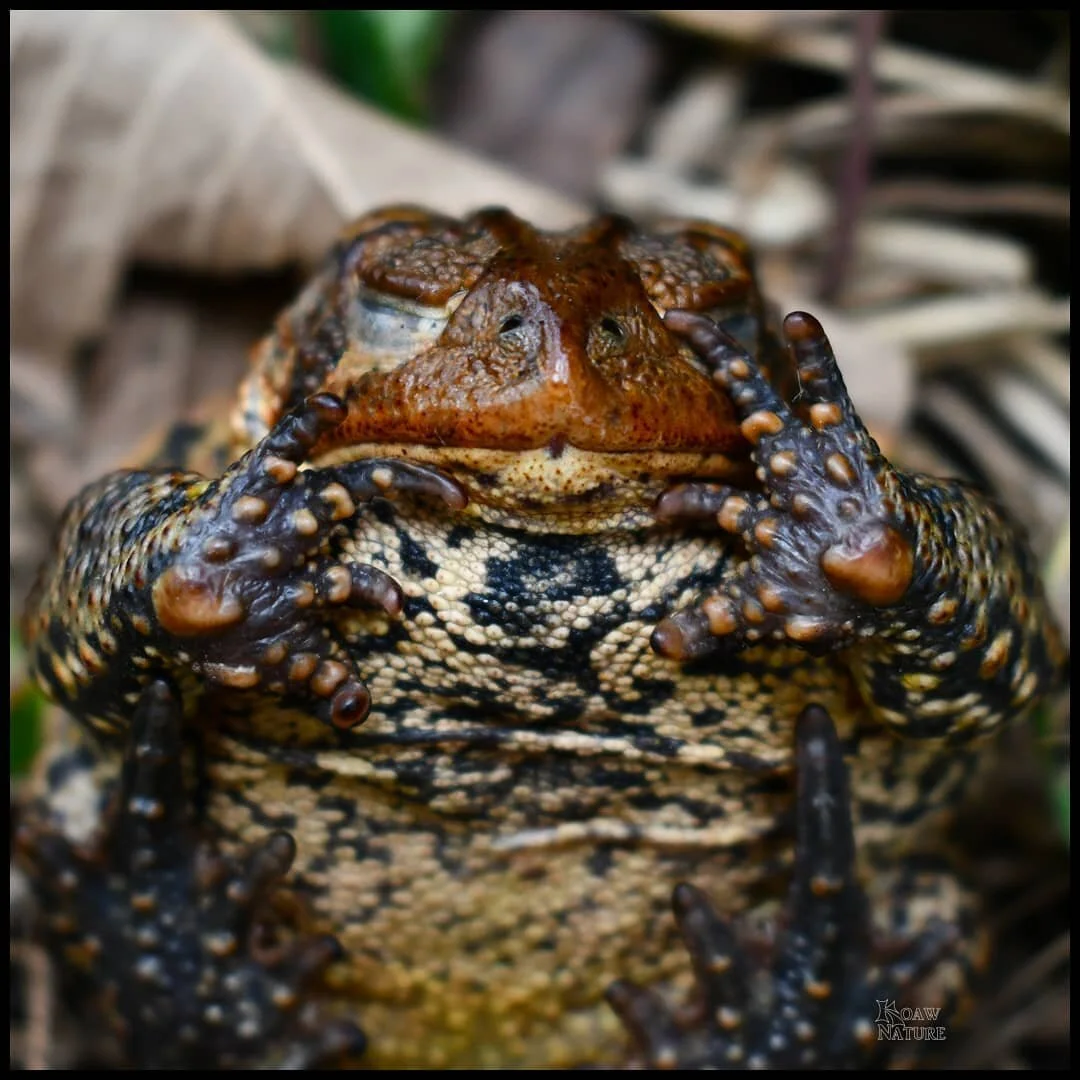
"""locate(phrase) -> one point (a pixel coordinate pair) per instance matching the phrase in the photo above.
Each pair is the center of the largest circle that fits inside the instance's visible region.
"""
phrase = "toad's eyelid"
(380, 322)
(386, 304)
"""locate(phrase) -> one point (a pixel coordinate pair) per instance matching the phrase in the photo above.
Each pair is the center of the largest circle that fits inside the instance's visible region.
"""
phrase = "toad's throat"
(560, 488)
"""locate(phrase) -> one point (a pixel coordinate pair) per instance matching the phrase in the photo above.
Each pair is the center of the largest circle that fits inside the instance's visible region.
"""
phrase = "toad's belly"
(500, 840)
(485, 910)
(487, 897)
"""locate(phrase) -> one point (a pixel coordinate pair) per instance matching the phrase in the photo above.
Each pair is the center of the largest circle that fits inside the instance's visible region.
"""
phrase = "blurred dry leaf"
(575, 81)
(167, 137)
(942, 320)
(943, 253)
(747, 26)
(800, 36)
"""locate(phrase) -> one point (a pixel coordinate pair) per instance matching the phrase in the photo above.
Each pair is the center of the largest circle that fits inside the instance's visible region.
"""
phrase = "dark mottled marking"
(413, 556)
(549, 568)
(456, 535)
(601, 860)
(62, 769)
(282, 819)
(181, 439)
(749, 763)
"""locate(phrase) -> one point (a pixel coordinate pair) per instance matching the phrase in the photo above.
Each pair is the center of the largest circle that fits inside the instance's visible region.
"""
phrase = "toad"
(537, 582)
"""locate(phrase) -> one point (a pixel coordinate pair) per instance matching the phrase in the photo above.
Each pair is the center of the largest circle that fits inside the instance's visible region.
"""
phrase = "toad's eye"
(388, 326)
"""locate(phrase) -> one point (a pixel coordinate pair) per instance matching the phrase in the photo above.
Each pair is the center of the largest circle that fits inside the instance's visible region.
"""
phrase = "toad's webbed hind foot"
(820, 1008)
(194, 959)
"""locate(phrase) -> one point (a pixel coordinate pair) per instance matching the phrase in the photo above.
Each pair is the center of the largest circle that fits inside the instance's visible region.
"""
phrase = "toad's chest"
(538, 645)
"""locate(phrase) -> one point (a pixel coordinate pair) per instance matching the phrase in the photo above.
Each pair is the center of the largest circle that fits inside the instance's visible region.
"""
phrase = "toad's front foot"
(235, 580)
(819, 1009)
(827, 542)
(931, 590)
(193, 959)
(248, 590)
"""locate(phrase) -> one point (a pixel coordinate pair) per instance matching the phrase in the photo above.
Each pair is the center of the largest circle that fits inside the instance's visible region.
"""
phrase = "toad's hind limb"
(193, 959)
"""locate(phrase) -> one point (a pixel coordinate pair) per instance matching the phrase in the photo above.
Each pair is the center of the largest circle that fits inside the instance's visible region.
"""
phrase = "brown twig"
(1004, 1021)
(855, 167)
(943, 197)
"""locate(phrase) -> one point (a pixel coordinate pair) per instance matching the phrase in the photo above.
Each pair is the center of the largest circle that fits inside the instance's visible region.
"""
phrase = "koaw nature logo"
(907, 1025)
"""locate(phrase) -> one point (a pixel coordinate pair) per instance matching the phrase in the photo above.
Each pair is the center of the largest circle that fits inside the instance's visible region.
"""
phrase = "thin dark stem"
(855, 168)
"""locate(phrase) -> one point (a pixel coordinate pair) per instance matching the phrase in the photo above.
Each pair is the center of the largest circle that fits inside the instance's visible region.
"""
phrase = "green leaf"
(27, 704)
(1050, 722)
(1058, 775)
(1060, 790)
(384, 57)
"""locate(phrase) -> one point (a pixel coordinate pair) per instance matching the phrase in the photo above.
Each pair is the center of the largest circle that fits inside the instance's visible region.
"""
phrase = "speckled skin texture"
(538, 513)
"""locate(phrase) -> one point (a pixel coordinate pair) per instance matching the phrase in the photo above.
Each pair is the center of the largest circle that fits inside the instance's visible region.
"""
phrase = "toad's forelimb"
(932, 593)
